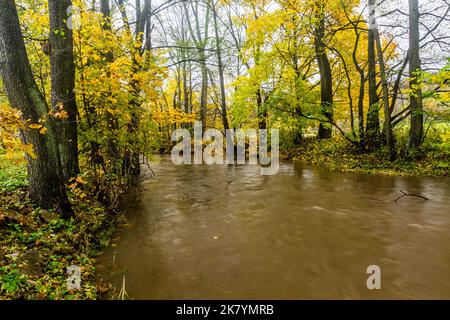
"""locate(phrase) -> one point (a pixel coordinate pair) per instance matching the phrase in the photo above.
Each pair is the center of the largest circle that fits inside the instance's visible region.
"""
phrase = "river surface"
(226, 232)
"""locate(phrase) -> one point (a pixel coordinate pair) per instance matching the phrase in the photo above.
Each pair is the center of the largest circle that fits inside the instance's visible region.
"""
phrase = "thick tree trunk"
(416, 130)
(373, 117)
(44, 173)
(326, 78)
(63, 85)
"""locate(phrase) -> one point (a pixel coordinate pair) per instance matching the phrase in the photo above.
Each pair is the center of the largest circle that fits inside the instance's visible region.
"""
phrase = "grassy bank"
(338, 155)
(36, 247)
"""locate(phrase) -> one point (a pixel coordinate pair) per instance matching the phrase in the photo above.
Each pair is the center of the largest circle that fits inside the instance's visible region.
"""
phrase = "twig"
(148, 165)
(405, 194)
(123, 293)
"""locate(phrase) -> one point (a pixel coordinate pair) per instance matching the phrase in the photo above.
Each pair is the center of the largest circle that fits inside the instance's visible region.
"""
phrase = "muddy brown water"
(226, 232)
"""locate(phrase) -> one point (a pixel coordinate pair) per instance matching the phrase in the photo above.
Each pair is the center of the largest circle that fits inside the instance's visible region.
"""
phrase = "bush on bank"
(432, 159)
(36, 246)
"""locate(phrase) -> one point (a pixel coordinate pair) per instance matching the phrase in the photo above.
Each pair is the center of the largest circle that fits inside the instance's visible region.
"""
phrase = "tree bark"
(200, 42)
(326, 78)
(387, 113)
(111, 144)
(46, 184)
(63, 85)
(373, 117)
(148, 27)
(223, 101)
(416, 129)
(362, 81)
(131, 162)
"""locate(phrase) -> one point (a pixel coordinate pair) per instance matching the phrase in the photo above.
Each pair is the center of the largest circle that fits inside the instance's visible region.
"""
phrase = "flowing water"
(226, 232)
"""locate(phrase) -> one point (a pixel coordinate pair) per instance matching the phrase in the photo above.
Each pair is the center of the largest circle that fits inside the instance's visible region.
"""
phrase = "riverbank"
(337, 155)
(36, 246)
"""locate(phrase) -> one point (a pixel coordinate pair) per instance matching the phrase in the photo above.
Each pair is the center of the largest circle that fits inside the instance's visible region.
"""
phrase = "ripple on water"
(218, 232)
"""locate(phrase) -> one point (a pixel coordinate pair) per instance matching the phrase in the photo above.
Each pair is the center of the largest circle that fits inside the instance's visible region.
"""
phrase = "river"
(227, 232)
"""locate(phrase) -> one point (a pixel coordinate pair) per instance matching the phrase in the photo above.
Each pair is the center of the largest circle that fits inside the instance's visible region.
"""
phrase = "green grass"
(13, 173)
(60, 243)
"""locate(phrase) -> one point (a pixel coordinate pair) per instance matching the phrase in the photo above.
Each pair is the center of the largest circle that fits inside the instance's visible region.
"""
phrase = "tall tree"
(200, 40)
(46, 185)
(373, 117)
(326, 77)
(63, 85)
(131, 163)
(112, 147)
(223, 99)
(415, 98)
(387, 113)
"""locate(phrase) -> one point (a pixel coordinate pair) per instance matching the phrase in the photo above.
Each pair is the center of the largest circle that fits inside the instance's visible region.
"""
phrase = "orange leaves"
(76, 187)
(80, 180)
(62, 115)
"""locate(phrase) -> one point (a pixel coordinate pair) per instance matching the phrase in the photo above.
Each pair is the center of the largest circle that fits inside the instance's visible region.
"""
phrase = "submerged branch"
(405, 194)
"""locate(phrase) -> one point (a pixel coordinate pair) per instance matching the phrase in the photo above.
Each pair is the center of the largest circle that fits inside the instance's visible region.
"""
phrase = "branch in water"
(405, 194)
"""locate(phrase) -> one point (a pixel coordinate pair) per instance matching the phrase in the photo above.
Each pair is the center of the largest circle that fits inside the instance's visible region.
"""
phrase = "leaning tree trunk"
(326, 78)
(63, 85)
(44, 172)
(390, 143)
(416, 130)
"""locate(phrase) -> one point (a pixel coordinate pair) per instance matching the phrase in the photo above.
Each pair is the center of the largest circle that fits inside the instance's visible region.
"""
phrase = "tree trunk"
(111, 145)
(362, 81)
(44, 172)
(63, 85)
(223, 101)
(373, 117)
(131, 163)
(326, 79)
(387, 113)
(148, 27)
(262, 112)
(416, 130)
(200, 42)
